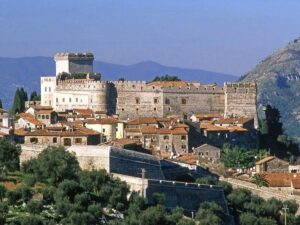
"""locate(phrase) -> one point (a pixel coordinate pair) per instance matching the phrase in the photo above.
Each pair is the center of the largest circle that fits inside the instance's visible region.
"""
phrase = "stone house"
(209, 152)
(247, 123)
(217, 134)
(111, 128)
(63, 136)
(165, 141)
(29, 122)
(271, 164)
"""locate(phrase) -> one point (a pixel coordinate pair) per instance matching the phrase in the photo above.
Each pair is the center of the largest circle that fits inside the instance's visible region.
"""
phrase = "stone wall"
(81, 93)
(240, 100)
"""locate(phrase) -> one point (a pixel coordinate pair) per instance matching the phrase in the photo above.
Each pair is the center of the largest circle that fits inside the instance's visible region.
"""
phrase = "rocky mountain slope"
(26, 72)
(278, 79)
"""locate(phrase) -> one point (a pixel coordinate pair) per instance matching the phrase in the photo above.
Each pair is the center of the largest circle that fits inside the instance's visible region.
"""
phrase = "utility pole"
(285, 208)
(143, 179)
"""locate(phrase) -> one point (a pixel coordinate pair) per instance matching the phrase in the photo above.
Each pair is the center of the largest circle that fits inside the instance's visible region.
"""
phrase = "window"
(63, 99)
(169, 109)
(103, 130)
(67, 142)
(166, 137)
(137, 100)
(183, 137)
(49, 89)
(183, 146)
(154, 109)
(33, 140)
(183, 101)
(45, 89)
(54, 140)
(78, 140)
(56, 100)
(91, 100)
(155, 100)
(137, 110)
(47, 117)
(76, 99)
(43, 117)
(167, 101)
(122, 109)
(70, 100)
(167, 147)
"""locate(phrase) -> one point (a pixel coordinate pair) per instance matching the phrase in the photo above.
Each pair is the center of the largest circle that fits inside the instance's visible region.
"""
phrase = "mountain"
(26, 72)
(278, 80)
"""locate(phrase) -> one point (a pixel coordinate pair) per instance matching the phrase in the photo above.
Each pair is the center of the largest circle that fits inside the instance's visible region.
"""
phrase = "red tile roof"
(31, 119)
(154, 130)
(142, 120)
(241, 120)
(102, 121)
(86, 112)
(75, 132)
(277, 179)
(207, 115)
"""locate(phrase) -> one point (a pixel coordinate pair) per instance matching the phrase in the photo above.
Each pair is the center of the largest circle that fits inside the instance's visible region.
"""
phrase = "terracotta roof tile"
(102, 121)
(31, 119)
(207, 115)
(142, 120)
(86, 112)
(20, 132)
(283, 179)
(241, 120)
(154, 130)
(188, 158)
(76, 132)
(125, 141)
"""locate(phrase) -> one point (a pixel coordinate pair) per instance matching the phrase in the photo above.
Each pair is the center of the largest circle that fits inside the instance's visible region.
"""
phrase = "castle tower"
(240, 100)
(74, 63)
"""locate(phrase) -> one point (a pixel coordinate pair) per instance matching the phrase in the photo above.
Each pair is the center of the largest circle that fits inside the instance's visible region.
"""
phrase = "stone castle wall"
(131, 99)
(81, 93)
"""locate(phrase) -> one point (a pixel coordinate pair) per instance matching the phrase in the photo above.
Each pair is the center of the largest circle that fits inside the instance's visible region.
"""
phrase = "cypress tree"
(1, 106)
(34, 96)
(17, 104)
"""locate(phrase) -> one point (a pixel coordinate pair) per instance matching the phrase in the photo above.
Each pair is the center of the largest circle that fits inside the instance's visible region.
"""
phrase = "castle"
(77, 86)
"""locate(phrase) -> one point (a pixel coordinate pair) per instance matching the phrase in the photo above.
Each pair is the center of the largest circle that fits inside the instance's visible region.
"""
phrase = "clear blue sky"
(229, 36)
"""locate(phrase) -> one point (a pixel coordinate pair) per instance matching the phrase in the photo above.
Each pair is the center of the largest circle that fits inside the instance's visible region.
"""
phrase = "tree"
(207, 180)
(9, 155)
(34, 207)
(54, 164)
(34, 96)
(3, 212)
(1, 106)
(121, 79)
(166, 78)
(248, 218)
(210, 213)
(2, 192)
(260, 180)
(19, 101)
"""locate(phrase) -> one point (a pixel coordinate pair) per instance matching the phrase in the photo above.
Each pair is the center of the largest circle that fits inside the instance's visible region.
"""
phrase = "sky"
(227, 36)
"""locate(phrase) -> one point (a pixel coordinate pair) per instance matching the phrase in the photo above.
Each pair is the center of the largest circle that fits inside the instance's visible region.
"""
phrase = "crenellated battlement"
(81, 84)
